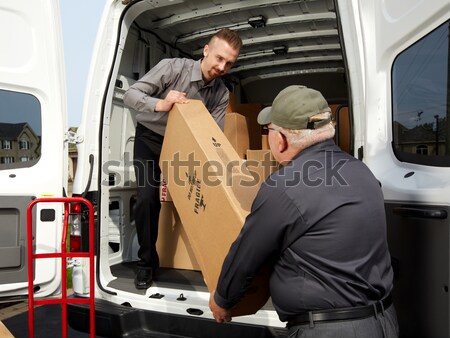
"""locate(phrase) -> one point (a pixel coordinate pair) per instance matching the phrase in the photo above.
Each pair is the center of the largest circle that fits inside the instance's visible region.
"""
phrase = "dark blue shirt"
(321, 222)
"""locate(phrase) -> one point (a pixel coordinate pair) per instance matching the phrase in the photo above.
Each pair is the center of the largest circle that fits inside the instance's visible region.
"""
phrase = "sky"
(80, 19)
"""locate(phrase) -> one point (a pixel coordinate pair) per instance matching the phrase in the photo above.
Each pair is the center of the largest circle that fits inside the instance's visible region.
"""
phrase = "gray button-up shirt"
(179, 74)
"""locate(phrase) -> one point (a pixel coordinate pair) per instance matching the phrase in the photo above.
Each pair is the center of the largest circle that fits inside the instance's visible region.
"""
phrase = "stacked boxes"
(236, 131)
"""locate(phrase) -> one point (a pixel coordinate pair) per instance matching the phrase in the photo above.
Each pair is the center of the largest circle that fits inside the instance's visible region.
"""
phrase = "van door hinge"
(72, 137)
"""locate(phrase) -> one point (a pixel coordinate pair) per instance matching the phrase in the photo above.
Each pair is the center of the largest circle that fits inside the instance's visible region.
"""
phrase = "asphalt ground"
(47, 322)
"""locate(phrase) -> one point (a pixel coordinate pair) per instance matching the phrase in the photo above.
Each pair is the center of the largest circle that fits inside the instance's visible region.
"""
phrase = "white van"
(382, 65)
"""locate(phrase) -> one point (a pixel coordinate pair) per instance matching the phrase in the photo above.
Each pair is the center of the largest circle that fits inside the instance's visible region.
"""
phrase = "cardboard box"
(265, 142)
(236, 131)
(343, 134)
(261, 164)
(209, 185)
(175, 250)
(251, 112)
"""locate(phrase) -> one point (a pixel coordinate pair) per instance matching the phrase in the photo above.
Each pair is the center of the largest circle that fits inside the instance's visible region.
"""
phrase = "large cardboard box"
(236, 131)
(212, 191)
(175, 250)
(261, 164)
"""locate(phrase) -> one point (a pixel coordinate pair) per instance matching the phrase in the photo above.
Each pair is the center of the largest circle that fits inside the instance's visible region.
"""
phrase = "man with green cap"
(320, 221)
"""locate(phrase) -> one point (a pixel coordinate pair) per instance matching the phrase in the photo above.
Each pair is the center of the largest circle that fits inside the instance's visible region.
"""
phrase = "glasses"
(266, 128)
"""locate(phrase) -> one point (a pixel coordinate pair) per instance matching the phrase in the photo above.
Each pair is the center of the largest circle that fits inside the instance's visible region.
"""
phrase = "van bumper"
(113, 320)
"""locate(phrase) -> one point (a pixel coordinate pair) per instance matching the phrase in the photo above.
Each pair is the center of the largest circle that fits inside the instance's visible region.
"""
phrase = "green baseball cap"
(292, 108)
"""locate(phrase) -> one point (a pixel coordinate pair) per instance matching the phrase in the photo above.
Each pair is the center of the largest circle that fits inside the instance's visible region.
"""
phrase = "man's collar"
(315, 147)
(197, 74)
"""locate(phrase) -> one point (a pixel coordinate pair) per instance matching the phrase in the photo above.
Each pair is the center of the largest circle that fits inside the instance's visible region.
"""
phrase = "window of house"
(20, 130)
(6, 144)
(422, 149)
(24, 145)
(6, 159)
(420, 100)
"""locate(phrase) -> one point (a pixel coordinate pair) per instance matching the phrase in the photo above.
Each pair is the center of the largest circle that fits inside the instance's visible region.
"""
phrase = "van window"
(20, 130)
(420, 99)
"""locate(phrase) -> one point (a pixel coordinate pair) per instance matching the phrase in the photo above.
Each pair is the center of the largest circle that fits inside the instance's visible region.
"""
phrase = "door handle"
(420, 213)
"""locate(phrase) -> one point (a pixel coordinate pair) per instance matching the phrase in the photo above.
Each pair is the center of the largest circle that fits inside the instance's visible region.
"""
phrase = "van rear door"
(33, 155)
(405, 140)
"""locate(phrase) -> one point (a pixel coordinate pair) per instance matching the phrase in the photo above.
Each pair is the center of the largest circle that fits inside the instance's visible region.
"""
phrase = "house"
(18, 143)
(423, 139)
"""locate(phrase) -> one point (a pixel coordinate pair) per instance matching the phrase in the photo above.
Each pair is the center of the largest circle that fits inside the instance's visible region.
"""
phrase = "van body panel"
(97, 88)
(34, 152)
(385, 35)
(419, 247)
(416, 195)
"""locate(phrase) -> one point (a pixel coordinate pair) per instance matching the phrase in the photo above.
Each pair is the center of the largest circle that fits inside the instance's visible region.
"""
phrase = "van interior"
(284, 43)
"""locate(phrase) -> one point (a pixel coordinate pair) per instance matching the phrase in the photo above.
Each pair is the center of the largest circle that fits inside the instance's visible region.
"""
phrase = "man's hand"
(172, 97)
(221, 315)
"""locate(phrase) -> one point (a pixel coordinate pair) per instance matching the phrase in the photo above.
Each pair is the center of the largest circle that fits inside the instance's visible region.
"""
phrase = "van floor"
(164, 277)
(190, 280)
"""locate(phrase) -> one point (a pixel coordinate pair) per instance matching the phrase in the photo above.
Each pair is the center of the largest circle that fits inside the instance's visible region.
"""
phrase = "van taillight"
(75, 227)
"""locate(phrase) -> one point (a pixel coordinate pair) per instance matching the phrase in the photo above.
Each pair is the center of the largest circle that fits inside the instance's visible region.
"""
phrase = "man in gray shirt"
(320, 222)
(171, 81)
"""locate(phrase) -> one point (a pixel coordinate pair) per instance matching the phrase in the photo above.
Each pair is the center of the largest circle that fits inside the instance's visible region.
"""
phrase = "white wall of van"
(34, 151)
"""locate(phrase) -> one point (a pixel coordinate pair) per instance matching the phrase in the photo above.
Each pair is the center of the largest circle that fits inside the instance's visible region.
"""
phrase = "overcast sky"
(80, 19)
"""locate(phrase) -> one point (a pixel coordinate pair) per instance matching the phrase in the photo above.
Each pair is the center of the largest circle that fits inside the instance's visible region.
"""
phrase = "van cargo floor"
(164, 277)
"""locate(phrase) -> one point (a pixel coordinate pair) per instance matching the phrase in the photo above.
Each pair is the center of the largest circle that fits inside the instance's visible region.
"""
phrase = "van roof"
(294, 40)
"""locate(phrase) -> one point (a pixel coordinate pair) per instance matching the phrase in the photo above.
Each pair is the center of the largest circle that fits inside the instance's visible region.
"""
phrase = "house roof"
(11, 131)
(420, 133)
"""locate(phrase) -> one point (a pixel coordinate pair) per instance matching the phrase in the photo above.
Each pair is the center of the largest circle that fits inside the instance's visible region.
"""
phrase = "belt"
(330, 315)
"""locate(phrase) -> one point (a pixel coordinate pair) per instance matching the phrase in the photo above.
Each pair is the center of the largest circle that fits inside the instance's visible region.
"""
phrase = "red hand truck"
(63, 255)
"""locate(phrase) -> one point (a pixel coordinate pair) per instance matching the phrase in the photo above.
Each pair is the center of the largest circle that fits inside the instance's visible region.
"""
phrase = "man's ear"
(205, 50)
(281, 142)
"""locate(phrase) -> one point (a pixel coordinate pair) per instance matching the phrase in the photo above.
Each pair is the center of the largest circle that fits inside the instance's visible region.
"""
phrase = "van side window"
(420, 100)
(20, 130)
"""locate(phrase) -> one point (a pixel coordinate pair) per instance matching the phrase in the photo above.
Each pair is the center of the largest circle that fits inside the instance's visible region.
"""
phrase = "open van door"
(33, 152)
(405, 140)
